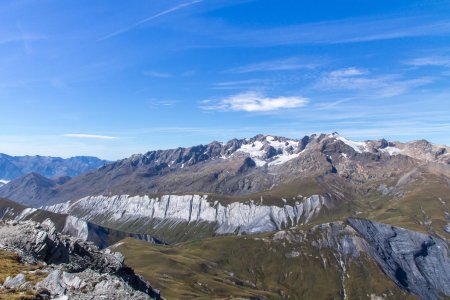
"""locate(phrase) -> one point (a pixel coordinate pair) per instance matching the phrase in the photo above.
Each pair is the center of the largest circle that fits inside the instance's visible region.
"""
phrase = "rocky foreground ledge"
(66, 268)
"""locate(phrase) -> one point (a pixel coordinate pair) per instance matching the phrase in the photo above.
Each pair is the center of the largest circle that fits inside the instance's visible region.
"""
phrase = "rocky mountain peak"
(263, 149)
(34, 179)
(30, 186)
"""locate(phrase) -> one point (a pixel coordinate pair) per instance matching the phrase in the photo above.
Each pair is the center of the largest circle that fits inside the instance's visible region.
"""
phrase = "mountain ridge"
(12, 167)
(242, 166)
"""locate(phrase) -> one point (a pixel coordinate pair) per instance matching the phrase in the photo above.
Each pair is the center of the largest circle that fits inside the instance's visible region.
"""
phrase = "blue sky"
(113, 78)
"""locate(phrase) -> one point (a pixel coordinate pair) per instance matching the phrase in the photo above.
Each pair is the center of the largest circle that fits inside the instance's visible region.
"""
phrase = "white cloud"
(254, 102)
(89, 136)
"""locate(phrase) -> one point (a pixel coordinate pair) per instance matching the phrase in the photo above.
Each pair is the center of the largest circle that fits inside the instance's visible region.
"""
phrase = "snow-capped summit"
(237, 167)
(270, 150)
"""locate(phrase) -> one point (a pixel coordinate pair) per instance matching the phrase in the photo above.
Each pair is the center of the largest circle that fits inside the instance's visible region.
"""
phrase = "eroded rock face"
(76, 269)
(251, 217)
(417, 262)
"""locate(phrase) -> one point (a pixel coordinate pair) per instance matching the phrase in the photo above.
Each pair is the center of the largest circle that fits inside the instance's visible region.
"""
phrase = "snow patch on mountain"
(391, 150)
(239, 217)
(359, 147)
(3, 182)
(259, 151)
(283, 159)
(254, 149)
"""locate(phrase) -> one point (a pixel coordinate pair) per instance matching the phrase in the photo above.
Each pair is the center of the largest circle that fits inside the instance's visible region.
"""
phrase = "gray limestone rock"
(14, 282)
(76, 269)
(417, 262)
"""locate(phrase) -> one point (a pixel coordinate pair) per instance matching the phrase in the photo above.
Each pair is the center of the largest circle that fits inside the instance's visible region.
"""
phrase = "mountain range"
(241, 167)
(262, 218)
(12, 167)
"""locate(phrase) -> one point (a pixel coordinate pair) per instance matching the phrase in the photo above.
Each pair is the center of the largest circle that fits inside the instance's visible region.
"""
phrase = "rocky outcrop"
(417, 262)
(235, 217)
(75, 269)
(83, 230)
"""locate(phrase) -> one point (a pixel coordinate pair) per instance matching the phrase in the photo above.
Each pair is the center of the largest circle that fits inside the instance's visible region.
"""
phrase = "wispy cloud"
(152, 17)
(354, 79)
(89, 136)
(162, 103)
(350, 78)
(157, 74)
(22, 38)
(246, 84)
(351, 30)
(254, 102)
(333, 104)
(440, 61)
(238, 82)
(26, 45)
(286, 64)
(348, 72)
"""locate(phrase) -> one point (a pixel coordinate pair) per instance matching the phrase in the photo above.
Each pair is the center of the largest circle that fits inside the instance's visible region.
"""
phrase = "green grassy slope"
(423, 207)
(255, 267)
